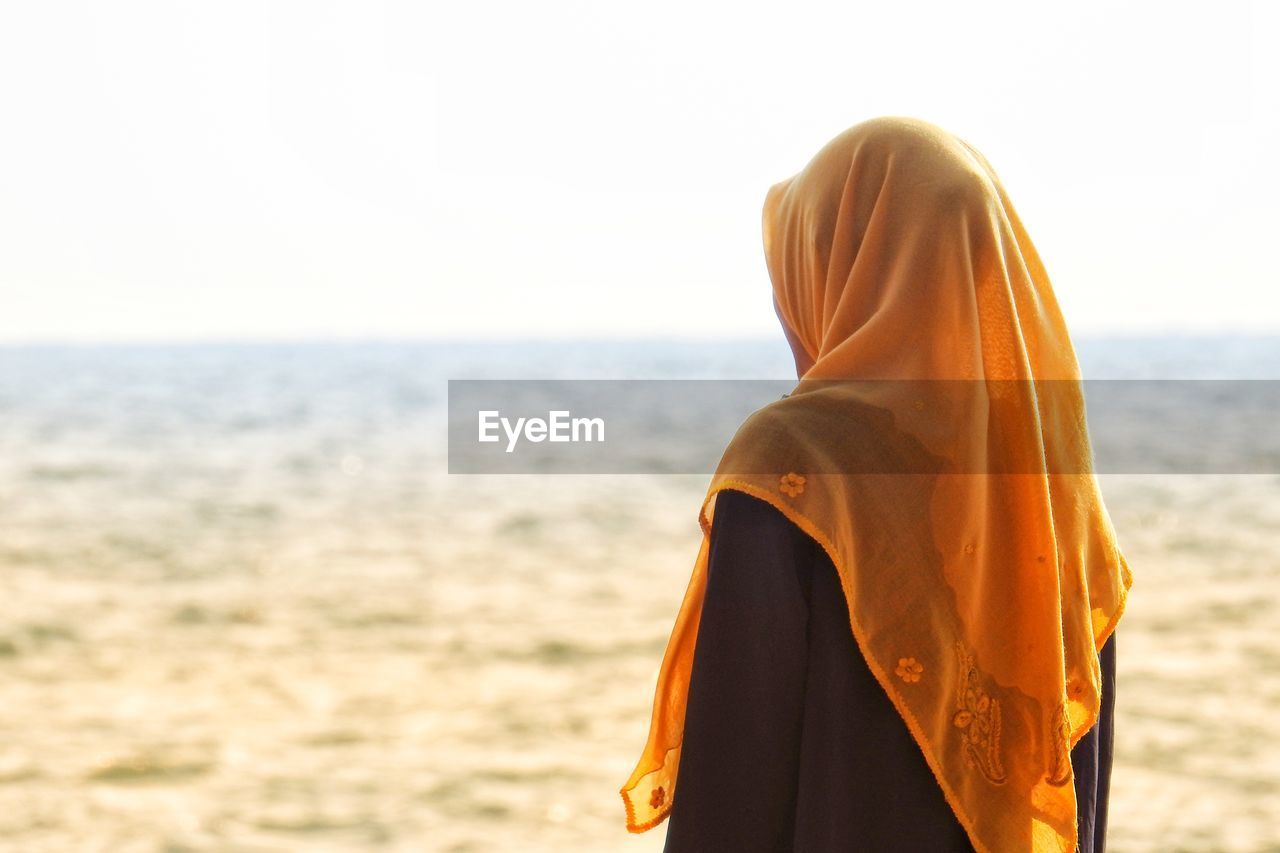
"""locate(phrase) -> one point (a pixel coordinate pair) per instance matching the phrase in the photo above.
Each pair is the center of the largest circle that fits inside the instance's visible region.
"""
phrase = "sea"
(245, 607)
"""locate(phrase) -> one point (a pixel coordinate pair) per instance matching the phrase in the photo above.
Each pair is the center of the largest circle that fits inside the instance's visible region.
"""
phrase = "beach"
(243, 606)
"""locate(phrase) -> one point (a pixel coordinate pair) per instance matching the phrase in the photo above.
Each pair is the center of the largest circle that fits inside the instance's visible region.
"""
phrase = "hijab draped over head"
(937, 450)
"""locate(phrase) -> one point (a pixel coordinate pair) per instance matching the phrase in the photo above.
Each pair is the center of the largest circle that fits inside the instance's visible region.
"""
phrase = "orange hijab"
(978, 561)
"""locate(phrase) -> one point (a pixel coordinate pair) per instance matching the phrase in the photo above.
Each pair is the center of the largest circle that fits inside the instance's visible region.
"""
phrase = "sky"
(177, 171)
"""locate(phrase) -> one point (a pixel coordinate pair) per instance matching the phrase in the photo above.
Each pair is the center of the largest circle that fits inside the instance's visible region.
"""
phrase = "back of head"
(896, 253)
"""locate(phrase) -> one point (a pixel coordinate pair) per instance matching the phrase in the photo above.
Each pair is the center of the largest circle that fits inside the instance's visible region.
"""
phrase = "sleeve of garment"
(738, 766)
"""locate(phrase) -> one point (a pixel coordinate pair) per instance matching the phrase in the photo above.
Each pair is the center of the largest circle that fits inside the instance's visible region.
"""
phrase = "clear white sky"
(264, 169)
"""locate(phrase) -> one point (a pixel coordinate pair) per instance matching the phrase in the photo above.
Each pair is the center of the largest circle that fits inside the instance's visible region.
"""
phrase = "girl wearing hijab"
(898, 633)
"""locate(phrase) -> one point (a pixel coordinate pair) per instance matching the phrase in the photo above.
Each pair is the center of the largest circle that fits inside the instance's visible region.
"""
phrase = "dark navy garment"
(790, 744)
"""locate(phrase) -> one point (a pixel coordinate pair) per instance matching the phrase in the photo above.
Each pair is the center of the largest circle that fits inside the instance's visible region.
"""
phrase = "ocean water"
(244, 607)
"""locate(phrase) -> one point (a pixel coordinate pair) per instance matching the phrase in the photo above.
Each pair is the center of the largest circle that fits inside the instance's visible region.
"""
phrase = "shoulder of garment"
(757, 533)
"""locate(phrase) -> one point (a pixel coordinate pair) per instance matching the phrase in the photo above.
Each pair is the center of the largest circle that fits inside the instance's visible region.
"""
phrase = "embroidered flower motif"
(657, 798)
(1059, 745)
(978, 717)
(919, 404)
(969, 548)
(792, 484)
(909, 669)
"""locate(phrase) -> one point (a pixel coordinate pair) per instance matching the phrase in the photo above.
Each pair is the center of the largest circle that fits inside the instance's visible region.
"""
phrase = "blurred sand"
(224, 633)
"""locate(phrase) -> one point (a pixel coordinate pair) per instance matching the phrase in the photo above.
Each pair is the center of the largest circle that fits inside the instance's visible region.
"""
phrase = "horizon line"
(534, 338)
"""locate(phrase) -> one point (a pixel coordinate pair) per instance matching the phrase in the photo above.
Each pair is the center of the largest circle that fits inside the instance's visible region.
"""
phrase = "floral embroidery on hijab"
(978, 717)
(791, 484)
(909, 669)
(1059, 738)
